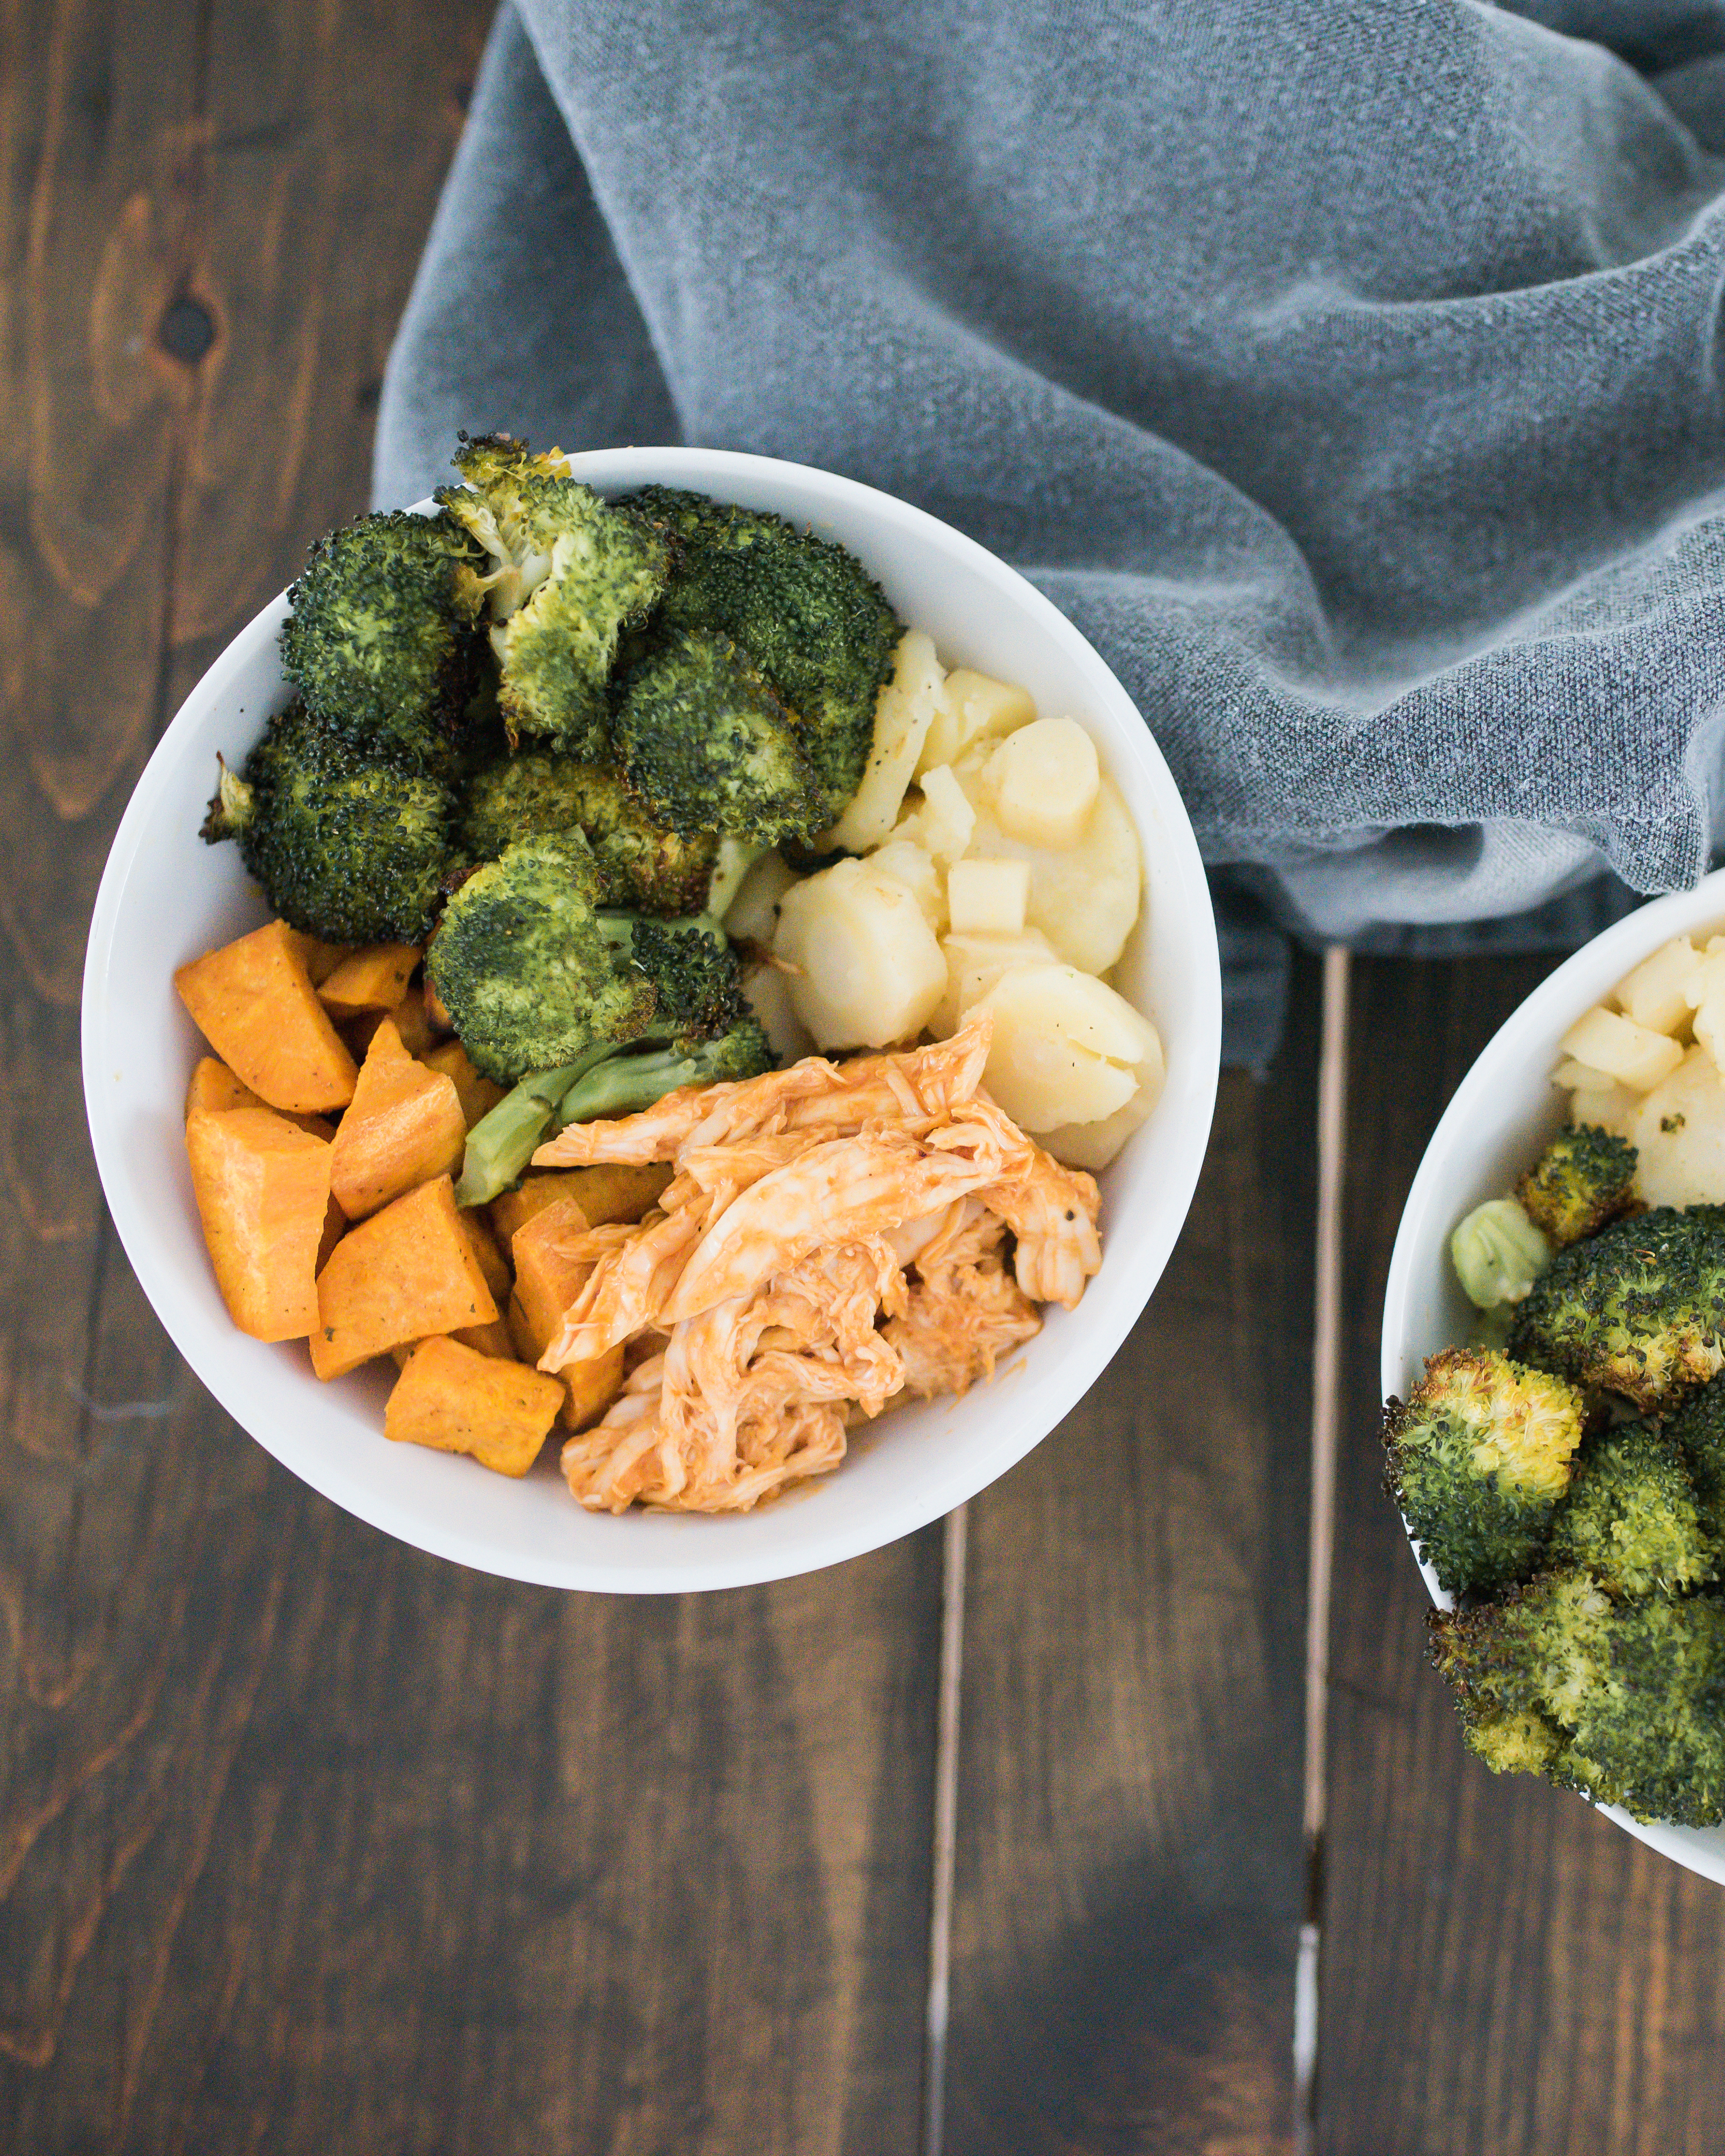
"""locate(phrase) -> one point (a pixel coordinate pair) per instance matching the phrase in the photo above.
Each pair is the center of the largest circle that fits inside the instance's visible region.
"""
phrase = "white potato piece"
(1572, 1075)
(904, 711)
(1633, 1054)
(1678, 1131)
(754, 913)
(1612, 1107)
(868, 970)
(916, 869)
(1085, 900)
(1043, 781)
(1657, 994)
(987, 896)
(974, 962)
(1065, 1047)
(1710, 1025)
(1094, 1145)
(974, 708)
(941, 822)
(768, 991)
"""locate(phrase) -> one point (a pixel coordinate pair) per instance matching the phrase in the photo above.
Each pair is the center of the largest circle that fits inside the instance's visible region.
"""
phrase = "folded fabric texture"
(1351, 378)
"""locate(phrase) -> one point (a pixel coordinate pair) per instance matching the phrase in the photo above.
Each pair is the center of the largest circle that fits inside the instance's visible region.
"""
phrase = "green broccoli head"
(523, 967)
(641, 862)
(694, 972)
(380, 643)
(1630, 1516)
(707, 745)
(1477, 1460)
(807, 613)
(349, 848)
(1584, 1178)
(1640, 1307)
(570, 574)
(1698, 1429)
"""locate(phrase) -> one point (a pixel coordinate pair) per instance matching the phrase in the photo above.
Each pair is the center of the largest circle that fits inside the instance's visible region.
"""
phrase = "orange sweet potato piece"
(253, 1002)
(479, 1095)
(321, 958)
(375, 978)
(214, 1086)
(589, 1388)
(449, 1397)
(492, 1263)
(492, 1339)
(546, 1281)
(604, 1193)
(263, 1188)
(408, 1272)
(404, 1126)
(334, 1227)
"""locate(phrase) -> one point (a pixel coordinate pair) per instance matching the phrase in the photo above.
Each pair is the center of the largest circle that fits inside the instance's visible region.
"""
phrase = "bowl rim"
(1583, 978)
(1190, 1092)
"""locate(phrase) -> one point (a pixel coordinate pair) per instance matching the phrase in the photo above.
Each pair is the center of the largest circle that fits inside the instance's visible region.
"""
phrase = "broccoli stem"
(625, 1083)
(501, 1143)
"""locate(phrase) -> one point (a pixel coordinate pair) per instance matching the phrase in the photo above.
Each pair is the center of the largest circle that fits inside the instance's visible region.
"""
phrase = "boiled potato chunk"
(915, 867)
(942, 822)
(1657, 994)
(975, 708)
(1094, 1145)
(754, 913)
(868, 970)
(1085, 899)
(974, 962)
(1678, 1131)
(903, 714)
(987, 896)
(1633, 1055)
(1044, 779)
(768, 992)
(1065, 1046)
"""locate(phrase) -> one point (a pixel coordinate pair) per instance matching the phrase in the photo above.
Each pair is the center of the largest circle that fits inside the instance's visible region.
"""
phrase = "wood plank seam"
(946, 1829)
(1326, 1384)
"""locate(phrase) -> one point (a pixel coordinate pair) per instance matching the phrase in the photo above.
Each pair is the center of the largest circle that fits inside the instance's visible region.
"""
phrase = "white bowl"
(1503, 1113)
(164, 898)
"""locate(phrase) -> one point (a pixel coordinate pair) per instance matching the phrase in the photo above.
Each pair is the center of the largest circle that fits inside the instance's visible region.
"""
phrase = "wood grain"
(306, 1841)
(1128, 1881)
(1503, 1970)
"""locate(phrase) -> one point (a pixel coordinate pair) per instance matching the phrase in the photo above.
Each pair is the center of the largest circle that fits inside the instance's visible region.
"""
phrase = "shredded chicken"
(835, 1238)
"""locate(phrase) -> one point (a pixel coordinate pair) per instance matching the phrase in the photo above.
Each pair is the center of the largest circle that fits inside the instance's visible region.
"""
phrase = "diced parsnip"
(253, 1002)
(373, 979)
(1094, 1145)
(767, 992)
(988, 897)
(977, 708)
(262, 1189)
(914, 867)
(1633, 1055)
(1085, 900)
(456, 1399)
(943, 822)
(974, 962)
(868, 969)
(754, 913)
(1065, 1047)
(904, 711)
(1044, 779)
(1657, 994)
(1678, 1131)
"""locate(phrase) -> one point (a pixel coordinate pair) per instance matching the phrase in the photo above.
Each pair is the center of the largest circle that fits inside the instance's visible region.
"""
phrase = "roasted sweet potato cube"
(603, 1194)
(492, 1339)
(263, 1188)
(457, 1400)
(253, 1002)
(407, 1272)
(589, 1388)
(334, 1227)
(321, 958)
(492, 1263)
(546, 1279)
(375, 978)
(214, 1086)
(404, 1126)
(479, 1095)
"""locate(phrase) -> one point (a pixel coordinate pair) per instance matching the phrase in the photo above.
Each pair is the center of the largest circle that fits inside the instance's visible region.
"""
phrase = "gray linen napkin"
(1350, 375)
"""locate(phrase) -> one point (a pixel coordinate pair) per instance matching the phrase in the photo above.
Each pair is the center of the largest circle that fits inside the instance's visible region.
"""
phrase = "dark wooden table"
(1024, 1836)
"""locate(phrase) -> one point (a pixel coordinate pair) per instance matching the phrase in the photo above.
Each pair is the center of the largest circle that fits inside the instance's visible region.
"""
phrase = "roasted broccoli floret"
(1698, 1428)
(347, 847)
(807, 613)
(1629, 1517)
(567, 575)
(1640, 1307)
(641, 862)
(708, 747)
(524, 967)
(1584, 1178)
(1476, 1459)
(623, 1085)
(380, 643)
(1625, 1702)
